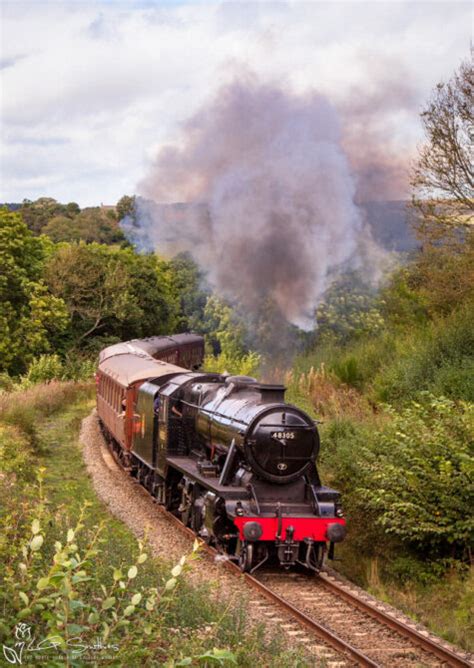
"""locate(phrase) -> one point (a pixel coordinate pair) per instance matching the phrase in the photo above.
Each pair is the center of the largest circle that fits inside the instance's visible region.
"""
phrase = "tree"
(126, 207)
(443, 196)
(111, 293)
(225, 332)
(187, 284)
(93, 285)
(225, 335)
(30, 316)
(37, 214)
(150, 285)
(91, 224)
(351, 309)
(443, 178)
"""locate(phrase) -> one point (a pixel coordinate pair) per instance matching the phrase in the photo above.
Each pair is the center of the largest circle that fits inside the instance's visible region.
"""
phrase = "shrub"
(79, 368)
(53, 589)
(15, 452)
(243, 365)
(44, 369)
(6, 383)
(348, 371)
(348, 313)
(418, 472)
(327, 396)
(436, 359)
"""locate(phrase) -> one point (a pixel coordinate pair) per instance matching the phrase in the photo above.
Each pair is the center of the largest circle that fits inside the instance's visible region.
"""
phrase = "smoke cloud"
(268, 199)
(372, 117)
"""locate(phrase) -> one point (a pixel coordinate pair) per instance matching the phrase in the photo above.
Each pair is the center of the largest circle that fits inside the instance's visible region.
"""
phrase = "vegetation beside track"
(71, 570)
(397, 409)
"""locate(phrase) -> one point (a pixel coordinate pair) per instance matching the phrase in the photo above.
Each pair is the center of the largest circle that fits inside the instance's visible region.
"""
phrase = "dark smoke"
(271, 213)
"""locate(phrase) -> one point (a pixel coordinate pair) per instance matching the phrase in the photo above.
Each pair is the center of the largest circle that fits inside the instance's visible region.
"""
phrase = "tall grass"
(325, 393)
(24, 408)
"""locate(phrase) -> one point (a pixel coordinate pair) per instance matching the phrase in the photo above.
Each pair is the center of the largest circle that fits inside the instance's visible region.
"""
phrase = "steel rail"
(427, 643)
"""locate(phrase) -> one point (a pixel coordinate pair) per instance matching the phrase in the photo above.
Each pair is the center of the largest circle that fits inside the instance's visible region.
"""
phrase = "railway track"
(336, 616)
(382, 638)
(356, 626)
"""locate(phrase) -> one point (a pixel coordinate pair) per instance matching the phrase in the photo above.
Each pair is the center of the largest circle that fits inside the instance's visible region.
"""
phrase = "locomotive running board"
(189, 468)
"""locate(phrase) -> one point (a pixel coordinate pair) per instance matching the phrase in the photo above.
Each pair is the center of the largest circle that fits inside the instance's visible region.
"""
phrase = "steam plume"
(273, 214)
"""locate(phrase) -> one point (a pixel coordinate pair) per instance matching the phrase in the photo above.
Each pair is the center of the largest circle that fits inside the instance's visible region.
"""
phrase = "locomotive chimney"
(271, 394)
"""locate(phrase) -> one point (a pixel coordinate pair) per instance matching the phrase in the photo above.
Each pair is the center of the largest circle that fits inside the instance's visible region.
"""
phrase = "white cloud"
(90, 90)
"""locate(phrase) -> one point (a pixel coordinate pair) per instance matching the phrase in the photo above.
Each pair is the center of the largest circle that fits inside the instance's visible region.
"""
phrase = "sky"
(92, 91)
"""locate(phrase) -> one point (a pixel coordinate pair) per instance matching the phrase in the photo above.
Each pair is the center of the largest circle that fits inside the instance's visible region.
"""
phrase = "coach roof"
(129, 368)
(153, 345)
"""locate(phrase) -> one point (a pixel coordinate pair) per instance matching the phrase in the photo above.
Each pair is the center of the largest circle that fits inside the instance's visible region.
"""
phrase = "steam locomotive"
(223, 453)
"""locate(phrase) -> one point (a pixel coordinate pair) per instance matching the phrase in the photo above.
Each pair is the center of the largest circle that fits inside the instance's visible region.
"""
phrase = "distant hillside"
(389, 222)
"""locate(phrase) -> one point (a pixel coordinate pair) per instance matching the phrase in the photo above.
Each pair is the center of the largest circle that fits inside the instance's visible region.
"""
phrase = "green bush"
(244, 365)
(348, 371)
(6, 383)
(438, 359)
(51, 586)
(418, 476)
(350, 310)
(80, 367)
(406, 568)
(15, 452)
(43, 369)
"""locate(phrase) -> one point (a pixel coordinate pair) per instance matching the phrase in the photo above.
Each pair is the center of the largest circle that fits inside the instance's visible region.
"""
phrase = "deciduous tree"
(126, 207)
(30, 316)
(111, 292)
(443, 179)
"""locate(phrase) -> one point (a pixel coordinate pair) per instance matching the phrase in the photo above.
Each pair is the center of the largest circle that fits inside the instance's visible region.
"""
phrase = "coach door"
(161, 464)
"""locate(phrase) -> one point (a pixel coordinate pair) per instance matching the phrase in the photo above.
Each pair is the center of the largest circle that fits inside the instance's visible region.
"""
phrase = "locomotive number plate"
(287, 435)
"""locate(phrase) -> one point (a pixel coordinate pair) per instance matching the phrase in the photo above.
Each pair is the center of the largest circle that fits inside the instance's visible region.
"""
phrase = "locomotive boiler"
(229, 457)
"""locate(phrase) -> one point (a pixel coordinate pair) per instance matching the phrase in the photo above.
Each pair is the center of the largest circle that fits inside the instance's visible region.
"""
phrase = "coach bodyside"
(118, 379)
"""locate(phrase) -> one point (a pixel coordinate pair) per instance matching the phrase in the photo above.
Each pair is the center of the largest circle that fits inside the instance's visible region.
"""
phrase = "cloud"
(117, 79)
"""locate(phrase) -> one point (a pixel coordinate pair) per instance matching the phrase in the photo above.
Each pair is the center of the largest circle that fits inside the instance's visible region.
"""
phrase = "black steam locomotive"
(224, 453)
